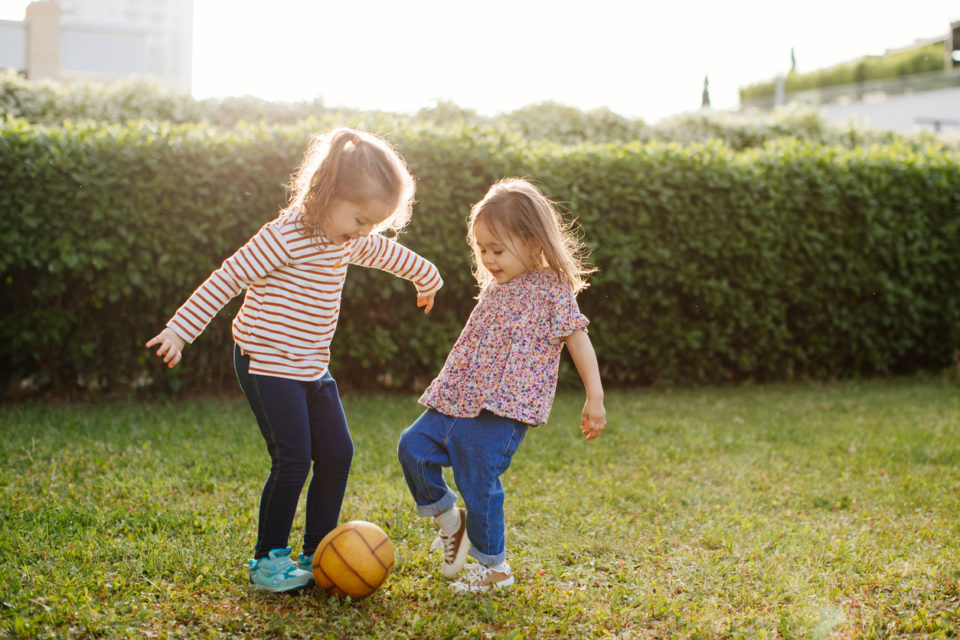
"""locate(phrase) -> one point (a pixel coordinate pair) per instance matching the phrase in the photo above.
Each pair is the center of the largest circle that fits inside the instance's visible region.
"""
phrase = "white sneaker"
(481, 578)
(455, 547)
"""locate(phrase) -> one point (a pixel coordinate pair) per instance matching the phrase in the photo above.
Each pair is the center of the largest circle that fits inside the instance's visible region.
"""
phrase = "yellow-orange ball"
(353, 560)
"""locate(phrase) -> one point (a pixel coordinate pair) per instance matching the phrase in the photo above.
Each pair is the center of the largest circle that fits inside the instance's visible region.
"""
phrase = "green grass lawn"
(761, 512)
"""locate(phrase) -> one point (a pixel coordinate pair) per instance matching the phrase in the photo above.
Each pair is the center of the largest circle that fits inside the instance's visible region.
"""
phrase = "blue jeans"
(479, 450)
(301, 421)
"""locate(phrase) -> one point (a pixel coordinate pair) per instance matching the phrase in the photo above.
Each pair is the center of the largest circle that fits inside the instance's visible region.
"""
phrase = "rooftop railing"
(872, 90)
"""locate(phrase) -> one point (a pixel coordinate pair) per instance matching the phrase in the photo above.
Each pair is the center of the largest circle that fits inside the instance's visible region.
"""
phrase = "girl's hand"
(426, 301)
(594, 419)
(171, 346)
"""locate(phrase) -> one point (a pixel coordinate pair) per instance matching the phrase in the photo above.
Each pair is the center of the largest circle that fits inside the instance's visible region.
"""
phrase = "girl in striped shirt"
(350, 186)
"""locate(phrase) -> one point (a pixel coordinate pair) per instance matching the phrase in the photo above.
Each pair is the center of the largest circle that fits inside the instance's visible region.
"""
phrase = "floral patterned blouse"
(508, 354)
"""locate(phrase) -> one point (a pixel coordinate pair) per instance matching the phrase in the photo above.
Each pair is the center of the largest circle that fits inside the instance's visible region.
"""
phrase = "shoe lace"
(449, 547)
(477, 572)
(281, 564)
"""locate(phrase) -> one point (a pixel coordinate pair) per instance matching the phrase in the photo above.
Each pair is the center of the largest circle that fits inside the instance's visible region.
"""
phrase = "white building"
(899, 109)
(101, 40)
(168, 25)
(908, 103)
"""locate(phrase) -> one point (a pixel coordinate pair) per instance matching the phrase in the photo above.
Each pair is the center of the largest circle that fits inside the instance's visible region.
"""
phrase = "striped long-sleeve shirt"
(294, 286)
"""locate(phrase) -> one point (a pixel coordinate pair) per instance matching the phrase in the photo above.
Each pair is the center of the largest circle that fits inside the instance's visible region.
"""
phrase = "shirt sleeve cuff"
(180, 332)
(431, 289)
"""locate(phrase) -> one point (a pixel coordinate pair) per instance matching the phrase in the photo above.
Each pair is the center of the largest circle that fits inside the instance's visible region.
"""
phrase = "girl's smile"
(345, 220)
(502, 261)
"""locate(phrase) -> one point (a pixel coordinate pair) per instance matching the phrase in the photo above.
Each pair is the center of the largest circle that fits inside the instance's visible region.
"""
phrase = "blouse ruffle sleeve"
(565, 317)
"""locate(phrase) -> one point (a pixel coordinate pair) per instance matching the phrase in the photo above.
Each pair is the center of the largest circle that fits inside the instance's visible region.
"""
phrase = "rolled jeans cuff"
(443, 504)
(486, 560)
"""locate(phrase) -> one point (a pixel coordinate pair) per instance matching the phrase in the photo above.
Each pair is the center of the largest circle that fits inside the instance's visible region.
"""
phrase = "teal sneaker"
(277, 572)
(305, 563)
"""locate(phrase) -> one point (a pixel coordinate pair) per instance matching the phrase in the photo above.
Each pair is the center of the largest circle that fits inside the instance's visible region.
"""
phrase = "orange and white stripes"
(294, 286)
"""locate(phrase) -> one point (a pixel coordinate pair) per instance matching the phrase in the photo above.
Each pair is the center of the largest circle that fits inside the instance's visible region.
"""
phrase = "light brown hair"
(517, 212)
(356, 166)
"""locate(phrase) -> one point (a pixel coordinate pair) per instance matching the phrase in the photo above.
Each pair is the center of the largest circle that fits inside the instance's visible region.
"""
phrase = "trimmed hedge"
(791, 260)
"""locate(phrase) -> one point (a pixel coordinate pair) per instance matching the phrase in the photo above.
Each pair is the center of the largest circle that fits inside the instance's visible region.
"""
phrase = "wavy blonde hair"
(517, 212)
(356, 166)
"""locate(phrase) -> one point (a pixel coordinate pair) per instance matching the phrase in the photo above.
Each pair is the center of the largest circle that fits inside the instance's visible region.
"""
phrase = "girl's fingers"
(167, 349)
(592, 427)
(426, 302)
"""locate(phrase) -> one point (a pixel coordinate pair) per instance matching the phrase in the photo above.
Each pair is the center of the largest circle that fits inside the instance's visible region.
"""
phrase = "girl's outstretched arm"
(388, 255)
(594, 418)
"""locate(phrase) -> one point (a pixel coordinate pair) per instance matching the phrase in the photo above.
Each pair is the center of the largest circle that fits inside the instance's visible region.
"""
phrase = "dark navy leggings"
(301, 421)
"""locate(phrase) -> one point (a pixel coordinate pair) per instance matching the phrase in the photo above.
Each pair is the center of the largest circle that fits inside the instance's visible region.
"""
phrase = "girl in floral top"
(501, 376)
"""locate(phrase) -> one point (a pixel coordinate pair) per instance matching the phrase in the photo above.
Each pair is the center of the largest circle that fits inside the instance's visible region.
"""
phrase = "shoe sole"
(502, 583)
(260, 587)
(490, 587)
(451, 570)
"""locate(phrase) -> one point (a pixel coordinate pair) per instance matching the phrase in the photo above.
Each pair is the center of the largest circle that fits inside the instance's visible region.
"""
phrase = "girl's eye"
(358, 221)
(498, 252)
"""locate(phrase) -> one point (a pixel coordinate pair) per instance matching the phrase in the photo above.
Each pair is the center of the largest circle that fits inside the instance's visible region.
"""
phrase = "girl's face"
(504, 261)
(345, 220)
